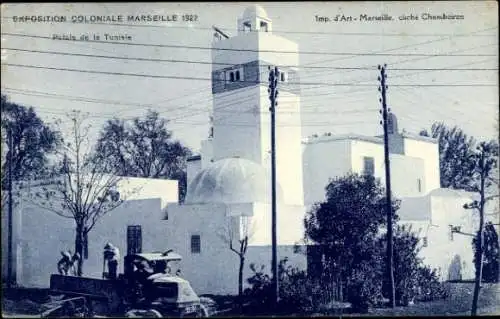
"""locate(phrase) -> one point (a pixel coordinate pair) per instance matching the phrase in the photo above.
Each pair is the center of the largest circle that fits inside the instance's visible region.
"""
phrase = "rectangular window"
(424, 241)
(368, 166)
(247, 27)
(283, 76)
(195, 244)
(263, 26)
(134, 239)
(419, 185)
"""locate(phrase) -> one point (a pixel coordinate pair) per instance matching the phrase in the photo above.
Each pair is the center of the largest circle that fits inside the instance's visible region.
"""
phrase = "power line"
(74, 98)
(246, 50)
(444, 38)
(228, 64)
(209, 79)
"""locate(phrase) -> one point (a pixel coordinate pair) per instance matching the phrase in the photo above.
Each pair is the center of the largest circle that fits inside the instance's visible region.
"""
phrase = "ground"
(25, 303)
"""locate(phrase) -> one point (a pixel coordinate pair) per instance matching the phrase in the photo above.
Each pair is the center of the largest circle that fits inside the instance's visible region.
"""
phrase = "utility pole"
(273, 94)
(390, 262)
(9, 230)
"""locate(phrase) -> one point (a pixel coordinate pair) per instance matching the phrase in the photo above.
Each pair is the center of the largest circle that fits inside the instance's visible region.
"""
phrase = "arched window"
(237, 75)
(231, 77)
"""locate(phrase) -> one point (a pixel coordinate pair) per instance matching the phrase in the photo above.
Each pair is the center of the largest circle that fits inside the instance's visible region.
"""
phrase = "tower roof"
(255, 11)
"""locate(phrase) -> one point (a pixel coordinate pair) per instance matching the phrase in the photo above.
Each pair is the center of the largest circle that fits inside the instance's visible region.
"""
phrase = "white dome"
(255, 11)
(231, 181)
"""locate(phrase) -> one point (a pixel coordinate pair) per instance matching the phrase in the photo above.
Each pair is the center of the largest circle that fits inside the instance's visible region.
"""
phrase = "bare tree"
(484, 161)
(238, 245)
(85, 188)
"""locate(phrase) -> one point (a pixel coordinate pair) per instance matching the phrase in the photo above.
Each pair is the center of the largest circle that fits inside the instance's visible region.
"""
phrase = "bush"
(364, 287)
(295, 290)
(429, 286)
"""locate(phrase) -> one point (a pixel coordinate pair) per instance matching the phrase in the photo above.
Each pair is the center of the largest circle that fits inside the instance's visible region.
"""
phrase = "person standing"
(111, 257)
(64, 264)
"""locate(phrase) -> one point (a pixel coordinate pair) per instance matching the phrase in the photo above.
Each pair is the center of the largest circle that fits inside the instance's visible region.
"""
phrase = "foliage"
(259, 292)
(346, 227)
(491, 258)
(295, 290)
(33, 142)
(364, 286)
(349, 227)
(144, 149)
(84, 188)
(484, 161)
(413, 280)
(429, 286)
(455, 148)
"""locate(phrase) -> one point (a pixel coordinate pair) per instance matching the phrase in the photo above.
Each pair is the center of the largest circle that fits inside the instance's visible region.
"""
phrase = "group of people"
(68, 264)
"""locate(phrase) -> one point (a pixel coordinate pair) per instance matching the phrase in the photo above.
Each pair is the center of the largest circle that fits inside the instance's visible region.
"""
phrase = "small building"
(39, 234)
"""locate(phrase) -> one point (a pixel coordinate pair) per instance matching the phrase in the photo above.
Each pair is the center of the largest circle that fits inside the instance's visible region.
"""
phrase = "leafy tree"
(482, 165)
(33, 142)
(144, 149)
(491, 262)
(346, 227)
(455, 148)
(85, 187)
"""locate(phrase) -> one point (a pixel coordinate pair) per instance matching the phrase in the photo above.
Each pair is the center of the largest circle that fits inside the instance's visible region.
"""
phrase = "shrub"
(364, 287)
(429, 286)
(295, 290)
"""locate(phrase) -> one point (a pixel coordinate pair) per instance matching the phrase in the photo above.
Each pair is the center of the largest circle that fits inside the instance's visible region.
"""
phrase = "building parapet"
(351, 136)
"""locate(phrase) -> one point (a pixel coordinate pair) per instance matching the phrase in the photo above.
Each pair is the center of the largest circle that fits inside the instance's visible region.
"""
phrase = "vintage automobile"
(147, 288)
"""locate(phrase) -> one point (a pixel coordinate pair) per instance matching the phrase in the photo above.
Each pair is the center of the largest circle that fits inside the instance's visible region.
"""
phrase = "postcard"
(243, 158)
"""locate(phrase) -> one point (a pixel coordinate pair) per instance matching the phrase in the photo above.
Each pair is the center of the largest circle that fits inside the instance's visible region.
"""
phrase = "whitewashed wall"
(405, 173)
(438, 210)
(40, 234)
(193, 167)
(45, 235)
(323, 160)
(360, 149)
(215, 269)
(430, 152)
(207, 152)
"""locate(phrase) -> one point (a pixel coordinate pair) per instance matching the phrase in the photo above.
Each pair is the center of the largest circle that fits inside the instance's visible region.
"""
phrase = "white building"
(39, 235)
(229, 189)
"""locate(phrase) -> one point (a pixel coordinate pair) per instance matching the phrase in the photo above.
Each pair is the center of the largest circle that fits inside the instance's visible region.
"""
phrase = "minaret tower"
(241, 118)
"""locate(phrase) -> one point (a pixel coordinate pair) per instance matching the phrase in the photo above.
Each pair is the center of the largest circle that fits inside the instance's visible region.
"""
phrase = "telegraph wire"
(247, 50)
(228, 64)
(75, 99)
(444, 38)
(408, 60)
(254, 82)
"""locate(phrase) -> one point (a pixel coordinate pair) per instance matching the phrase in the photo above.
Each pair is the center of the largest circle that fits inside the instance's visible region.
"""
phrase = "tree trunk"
(479, 268)
(240, 282)
(79, 242)
(480, 235)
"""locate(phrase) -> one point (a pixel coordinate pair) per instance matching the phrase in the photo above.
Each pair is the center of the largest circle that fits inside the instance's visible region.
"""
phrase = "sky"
(467, 98)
